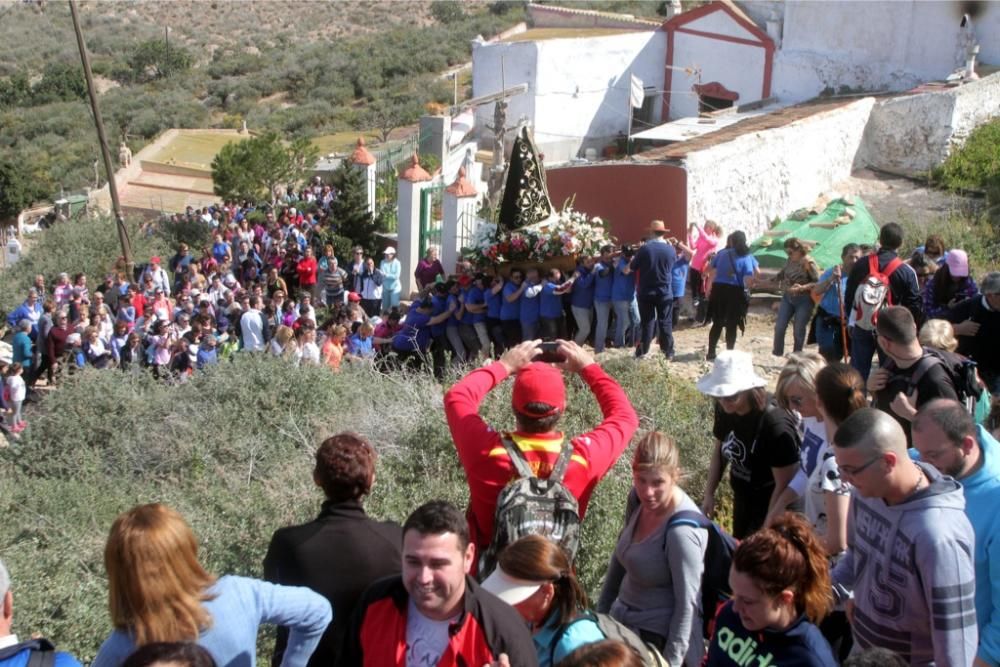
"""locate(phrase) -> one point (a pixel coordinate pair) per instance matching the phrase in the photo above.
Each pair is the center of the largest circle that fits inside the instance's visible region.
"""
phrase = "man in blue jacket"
(14, 653)
(946, 436)
(654, 263)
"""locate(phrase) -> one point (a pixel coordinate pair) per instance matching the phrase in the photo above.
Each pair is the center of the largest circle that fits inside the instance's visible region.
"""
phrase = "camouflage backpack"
(529, 505)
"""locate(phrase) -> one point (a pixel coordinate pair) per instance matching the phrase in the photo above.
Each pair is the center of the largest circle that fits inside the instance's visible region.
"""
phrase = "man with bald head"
(948, 438)
(909, 548)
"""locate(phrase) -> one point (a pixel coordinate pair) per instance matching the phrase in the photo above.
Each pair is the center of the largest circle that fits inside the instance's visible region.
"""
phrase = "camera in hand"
(550, 353)
(628, 251)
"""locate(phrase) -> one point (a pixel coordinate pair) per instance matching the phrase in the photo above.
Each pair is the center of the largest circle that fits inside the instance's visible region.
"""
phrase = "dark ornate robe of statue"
(525, 197)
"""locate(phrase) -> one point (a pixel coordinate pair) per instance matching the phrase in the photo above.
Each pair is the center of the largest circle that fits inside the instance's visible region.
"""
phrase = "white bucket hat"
(510, 589)
(731, 373)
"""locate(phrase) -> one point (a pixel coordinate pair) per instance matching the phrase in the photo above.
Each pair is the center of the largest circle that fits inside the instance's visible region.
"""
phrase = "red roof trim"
(700, 12)
(676, 24)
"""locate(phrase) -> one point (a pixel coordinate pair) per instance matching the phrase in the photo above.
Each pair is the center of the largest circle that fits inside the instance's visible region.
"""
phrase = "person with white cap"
(535, 577)
(391, 271)
(950, 284)
(757, 439)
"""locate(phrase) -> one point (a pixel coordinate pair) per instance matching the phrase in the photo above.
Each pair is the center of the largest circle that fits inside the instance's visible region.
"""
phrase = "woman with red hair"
(781, 591)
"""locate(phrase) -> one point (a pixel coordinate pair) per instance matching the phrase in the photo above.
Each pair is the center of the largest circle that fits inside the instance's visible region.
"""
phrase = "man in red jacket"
(308, 269)
(434, 613)
(539, 400)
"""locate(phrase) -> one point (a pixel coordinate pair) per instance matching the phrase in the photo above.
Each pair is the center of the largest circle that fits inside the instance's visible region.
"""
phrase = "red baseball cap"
(353, 296)
(539, 383)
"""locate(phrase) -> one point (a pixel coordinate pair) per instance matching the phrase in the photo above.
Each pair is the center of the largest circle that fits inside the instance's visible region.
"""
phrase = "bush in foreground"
(232, 450)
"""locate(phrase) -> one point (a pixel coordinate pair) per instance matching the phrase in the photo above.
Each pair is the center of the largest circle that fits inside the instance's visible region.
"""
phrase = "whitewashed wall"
(876, 44)
(738, 67)
(577, 87)
(915, 133)
(790, 167)
(520, 63)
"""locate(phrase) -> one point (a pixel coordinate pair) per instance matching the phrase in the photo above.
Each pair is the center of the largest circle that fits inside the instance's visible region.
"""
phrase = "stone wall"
(747, 182)
(915, 133)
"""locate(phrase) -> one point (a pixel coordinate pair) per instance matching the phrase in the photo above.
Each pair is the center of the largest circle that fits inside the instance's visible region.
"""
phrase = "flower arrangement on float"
(568, 234)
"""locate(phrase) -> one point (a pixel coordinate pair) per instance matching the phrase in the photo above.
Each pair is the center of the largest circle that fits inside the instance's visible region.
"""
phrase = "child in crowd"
(333, 348)
(16, 390)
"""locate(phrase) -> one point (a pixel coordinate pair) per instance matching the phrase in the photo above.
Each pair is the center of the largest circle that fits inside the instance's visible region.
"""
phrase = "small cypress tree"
(349, 210)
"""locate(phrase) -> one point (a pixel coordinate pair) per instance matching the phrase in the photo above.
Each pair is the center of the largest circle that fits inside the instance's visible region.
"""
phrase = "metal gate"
(431, 216)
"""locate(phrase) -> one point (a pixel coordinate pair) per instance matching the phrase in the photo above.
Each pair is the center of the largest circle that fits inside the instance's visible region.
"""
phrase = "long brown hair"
(788, 556)
(156, 586)
(535, 558)
(841, 390)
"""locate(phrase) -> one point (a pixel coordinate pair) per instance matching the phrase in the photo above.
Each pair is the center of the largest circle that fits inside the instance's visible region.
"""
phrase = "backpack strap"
(923, 365)
(689, 518)
(891, 267)
(516, 457)
(42, 658)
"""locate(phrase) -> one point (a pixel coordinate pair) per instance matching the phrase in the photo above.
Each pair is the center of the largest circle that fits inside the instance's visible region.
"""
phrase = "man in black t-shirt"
(902, 385)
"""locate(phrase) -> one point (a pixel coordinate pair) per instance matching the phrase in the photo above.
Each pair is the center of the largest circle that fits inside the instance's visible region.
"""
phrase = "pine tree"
(349, 210)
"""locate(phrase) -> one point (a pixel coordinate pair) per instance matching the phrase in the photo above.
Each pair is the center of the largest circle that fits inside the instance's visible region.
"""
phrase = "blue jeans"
(390, 300)
(626, 320)
(529, 330)
(801, 308)
(828, 335)
(583, 317)
(655, 311)
(603, 310)
(863, 346)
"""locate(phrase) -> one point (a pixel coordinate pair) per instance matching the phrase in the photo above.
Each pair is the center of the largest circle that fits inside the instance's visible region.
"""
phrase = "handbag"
(741, 278)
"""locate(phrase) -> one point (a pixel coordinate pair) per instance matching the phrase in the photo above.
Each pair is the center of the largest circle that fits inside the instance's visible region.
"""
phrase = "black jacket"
(337, 555)
(981, 348)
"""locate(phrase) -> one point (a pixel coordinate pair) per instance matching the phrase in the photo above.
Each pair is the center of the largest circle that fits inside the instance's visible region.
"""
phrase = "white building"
(717, 55)
(578, 83)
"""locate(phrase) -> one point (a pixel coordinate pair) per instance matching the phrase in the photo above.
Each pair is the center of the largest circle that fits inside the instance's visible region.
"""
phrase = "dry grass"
(195, 149)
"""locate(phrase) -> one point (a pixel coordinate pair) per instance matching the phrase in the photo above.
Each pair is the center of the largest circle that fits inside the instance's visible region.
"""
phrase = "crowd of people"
(862, 526)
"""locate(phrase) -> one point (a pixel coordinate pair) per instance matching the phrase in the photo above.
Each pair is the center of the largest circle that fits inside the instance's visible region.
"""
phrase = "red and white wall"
(725, 54)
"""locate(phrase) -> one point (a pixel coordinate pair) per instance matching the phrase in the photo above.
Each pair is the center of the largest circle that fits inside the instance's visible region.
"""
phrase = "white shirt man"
(253, 328)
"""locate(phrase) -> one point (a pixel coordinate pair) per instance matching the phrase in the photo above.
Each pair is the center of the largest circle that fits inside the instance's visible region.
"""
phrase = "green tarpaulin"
(822, 230)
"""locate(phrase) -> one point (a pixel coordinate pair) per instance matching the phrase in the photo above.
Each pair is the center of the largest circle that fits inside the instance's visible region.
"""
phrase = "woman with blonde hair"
(159, 592)
(796, 392)
(283, 344)
(653, 584)
(781, 592)
(938, 334)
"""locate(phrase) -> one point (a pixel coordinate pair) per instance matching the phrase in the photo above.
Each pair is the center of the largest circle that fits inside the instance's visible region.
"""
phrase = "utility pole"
(123, 238)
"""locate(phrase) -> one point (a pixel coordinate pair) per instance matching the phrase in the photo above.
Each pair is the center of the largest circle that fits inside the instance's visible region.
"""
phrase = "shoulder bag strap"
(516, 457)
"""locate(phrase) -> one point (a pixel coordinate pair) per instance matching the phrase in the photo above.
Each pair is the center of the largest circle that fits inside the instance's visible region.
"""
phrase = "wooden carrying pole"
(843, 321)
(123, 238)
